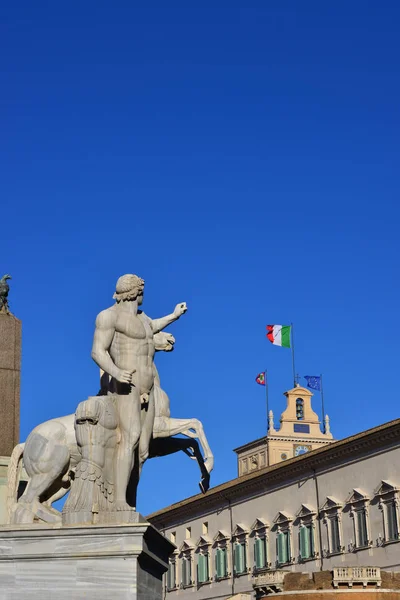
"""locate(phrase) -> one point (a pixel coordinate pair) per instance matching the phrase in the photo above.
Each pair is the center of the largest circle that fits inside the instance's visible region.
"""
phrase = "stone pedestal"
(120, 562)
(10, 367)
(4, 460)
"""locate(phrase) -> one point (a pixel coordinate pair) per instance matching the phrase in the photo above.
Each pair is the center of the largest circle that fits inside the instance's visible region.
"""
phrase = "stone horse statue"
(51, 454)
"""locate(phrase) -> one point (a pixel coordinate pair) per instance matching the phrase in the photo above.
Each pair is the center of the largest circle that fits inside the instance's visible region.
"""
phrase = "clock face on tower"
(298, 450)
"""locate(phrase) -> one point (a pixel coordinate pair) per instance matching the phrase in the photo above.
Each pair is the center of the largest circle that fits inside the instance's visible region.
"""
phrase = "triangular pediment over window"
(305, 511)
(259, 524)
(386, 487)
(282, 517)
(331, 502)
(221, 536)
(357, 495)
(240, 529)
(186, 545)
(203, 540)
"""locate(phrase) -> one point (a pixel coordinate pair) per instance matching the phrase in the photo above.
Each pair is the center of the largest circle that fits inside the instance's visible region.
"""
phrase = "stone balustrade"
(356, 575)
(270, 581)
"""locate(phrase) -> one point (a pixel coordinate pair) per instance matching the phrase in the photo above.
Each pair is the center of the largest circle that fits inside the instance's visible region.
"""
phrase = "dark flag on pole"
(313, 382)
(261, 378)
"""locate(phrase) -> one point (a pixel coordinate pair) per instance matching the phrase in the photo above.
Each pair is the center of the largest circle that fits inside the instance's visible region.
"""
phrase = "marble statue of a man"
(123, 347)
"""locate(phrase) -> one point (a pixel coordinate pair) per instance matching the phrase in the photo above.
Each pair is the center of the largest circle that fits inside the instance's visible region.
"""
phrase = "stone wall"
(344, 595)
(321, 588)
(322, 580)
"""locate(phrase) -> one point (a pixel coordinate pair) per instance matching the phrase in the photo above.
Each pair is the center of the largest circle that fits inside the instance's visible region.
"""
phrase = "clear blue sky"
(240, 156)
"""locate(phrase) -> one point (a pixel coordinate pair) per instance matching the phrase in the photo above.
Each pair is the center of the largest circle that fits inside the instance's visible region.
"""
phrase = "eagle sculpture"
(4, 289)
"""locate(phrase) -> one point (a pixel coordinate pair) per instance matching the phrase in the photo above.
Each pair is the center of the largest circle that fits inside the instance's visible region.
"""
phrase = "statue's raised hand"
(125, 376)
(180, 309)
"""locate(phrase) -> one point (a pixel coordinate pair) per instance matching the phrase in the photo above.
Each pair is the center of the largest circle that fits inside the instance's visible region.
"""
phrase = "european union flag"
(313, 382)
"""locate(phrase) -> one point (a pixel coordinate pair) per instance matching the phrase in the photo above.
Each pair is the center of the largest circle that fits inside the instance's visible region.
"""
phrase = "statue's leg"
(208, 455)
(29, 505)
(148, 413)
(128, 408)
(60, 493)
(45, 477)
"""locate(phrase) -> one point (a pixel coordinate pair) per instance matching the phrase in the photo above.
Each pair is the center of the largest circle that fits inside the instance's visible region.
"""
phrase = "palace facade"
(303, 505)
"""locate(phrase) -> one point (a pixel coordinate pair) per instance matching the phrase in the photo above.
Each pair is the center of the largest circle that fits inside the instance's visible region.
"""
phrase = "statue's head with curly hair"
(129, 287)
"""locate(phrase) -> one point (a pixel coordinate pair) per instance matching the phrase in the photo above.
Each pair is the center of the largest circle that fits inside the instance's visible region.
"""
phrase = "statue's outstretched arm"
(160, 324)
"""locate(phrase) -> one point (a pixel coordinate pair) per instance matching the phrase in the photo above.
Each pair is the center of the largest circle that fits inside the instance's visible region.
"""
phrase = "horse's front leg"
(192, 428)
(205, 475)
(195, 429)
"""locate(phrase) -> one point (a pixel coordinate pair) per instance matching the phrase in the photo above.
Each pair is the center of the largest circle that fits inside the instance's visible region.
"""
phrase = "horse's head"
(164, 341)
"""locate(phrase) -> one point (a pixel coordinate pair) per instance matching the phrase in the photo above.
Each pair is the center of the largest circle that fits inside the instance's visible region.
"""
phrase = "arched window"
(300, 409)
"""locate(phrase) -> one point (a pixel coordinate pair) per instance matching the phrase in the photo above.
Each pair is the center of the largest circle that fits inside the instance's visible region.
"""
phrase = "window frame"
(186, 552)
(173, 560)
(260, 531)
(283, 524)
(310, 540)
(306, 518)
(358, 503)
(240, 537)
(203, 549)
(330, 511)
(388, 495)
(221, 542)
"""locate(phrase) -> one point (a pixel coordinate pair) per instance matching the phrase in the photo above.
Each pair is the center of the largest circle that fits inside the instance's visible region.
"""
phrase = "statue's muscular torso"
(132, 346)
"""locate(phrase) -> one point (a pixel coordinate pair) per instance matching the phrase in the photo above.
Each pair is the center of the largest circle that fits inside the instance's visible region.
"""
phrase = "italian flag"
(279, 335)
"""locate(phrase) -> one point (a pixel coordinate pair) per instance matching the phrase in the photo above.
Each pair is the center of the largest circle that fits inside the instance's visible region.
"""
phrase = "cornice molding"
(250, 445)
(289, 438)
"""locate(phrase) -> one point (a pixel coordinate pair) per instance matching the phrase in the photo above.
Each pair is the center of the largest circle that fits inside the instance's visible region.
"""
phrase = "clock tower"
(299, 432)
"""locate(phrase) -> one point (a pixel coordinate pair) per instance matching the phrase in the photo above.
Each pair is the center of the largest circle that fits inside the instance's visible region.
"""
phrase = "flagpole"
(266, 399)
(323, 407)
(293, 364)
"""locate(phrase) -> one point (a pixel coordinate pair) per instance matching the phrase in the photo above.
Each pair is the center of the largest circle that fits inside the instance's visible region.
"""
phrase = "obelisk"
(10, 370)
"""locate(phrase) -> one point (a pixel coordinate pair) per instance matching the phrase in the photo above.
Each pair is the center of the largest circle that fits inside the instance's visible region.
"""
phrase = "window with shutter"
(202, 568)
(239, 558)
(305, 547)
(224, 562)
(218, 563)
(260, 553)
(335, 536)
(283, 547)
(221, 563)
(393, 530)
(171, 579)
(243, 554)
(361, 521)
(186, 570)
(236, 559)
(287, 541)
